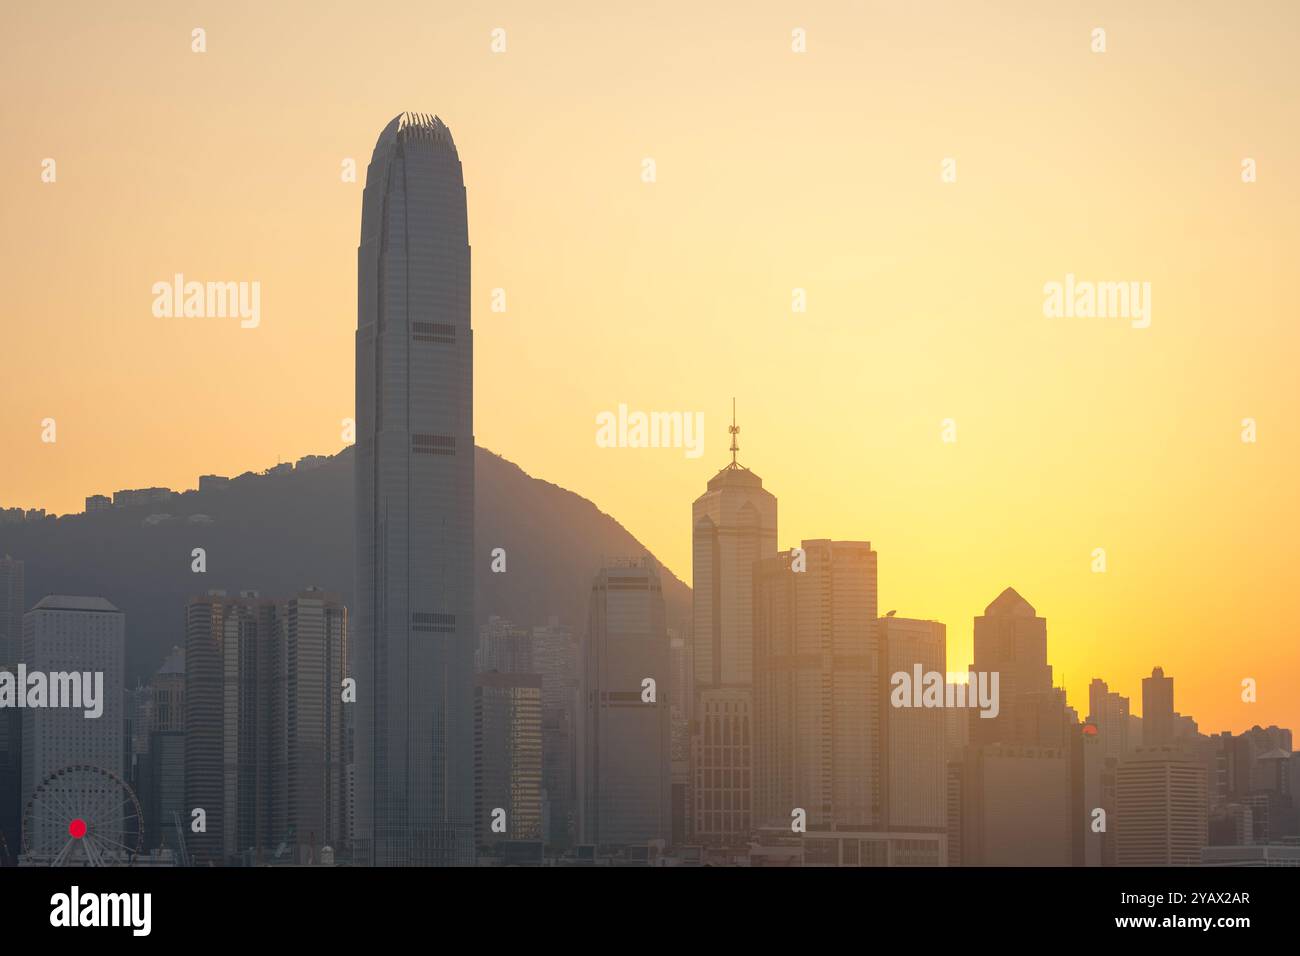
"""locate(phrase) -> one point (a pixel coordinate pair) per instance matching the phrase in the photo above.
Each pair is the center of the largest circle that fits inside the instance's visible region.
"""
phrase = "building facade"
(414, 616)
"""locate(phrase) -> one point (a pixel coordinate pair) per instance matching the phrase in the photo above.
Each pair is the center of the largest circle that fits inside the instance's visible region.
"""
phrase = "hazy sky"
(775, 170)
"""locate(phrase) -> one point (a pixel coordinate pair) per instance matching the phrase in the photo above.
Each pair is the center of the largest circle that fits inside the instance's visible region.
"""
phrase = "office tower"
(913, 775)
(1086, 761)
(232, 659)
(1015, 806)
(507, 757)
(12, 596)
(1160, 817)
(314, 625)
(733, 525)
(1157, 709)
(1109, 713)
(504, 648)
(679, 660)
(1012, 640)
(816, 680)
(162, 789)
(163, 795)
(73, 634)
(414, 620)
(168, 689)
(555, 656)
(11, 785)
(625, 757)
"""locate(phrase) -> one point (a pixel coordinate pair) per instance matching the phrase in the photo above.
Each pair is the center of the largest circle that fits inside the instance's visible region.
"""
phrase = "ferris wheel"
(82, 815)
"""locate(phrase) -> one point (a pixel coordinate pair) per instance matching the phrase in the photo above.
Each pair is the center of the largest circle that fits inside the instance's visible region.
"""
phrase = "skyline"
(1119, 444)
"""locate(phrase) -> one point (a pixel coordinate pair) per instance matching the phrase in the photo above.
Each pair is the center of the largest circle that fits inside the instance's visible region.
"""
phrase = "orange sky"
(775, 170)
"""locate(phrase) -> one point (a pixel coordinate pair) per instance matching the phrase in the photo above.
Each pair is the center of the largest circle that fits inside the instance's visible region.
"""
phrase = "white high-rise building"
(816, 688)
(86, 635)
(733, 526)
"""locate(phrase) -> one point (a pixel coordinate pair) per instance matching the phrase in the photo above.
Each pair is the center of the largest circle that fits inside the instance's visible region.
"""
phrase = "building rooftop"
(65, 602)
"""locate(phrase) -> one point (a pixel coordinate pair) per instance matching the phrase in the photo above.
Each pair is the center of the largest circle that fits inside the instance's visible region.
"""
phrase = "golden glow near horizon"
(774, 171)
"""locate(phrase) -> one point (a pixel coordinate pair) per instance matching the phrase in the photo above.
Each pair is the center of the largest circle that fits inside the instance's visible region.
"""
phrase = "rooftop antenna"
(735, 430)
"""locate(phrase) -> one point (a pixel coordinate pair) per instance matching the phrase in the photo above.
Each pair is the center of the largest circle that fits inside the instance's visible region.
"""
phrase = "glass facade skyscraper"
(414, 620)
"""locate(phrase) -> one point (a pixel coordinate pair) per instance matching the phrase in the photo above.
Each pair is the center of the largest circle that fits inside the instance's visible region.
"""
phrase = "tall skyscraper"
(1160, 814)
(555, 656)
(507, 757)
(11, 610)
(1011, 639)
(232, 675)
(67, 634)
(913, 778)
(414, 619)
(733, 526)
(626, 752)
(816, 707)
(1157, 709)
(314, 626)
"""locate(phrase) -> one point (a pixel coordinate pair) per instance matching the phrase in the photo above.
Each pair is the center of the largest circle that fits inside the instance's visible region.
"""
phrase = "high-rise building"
(625, 757)
(314, 626)
(12, 596)
(168, 689)
(1160, 814)
(555, 656)
(233, 680)
(1157, 709)
(817, 688)
(503, 648)
(414, 620)
(507, 757)
(1108, 713)
(1015, 806)
(733, 526)
(913, 774)
(73, 634)
(1011, 640)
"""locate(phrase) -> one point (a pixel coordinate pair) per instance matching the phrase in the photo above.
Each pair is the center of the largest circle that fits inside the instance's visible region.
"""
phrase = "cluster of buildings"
(767, 730)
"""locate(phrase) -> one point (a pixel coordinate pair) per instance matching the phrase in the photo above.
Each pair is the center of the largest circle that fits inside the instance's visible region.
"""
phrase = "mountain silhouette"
(278, 533)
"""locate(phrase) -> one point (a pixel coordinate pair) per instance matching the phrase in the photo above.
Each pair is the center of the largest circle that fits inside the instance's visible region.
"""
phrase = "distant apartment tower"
(232, 673)
(1160, 814)
(65, 634)
(913, 767)
(625, 757)
(555, 657)
(507, 757)
(12, 596)
(733, 526)
(817, 688)
(314, 632)
(1109, 713)
(414, 620)
(1157, 709)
